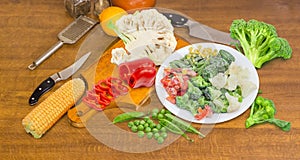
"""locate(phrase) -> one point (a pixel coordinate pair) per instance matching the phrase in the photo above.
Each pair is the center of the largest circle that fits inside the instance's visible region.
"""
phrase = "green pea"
(149, 121)
(158, 126)
(160, 116)
(152, 125)
(134, 128)
(156, 135)
(155, 110)
(136, 122)
(160, 140)
(164, 135)
(154, 115)
(130, 124)
(142, 122)
(163, 129)
(141, 134)
(140, 127)
(148, 129)
(163, 111)
(149, 135)
(146, 125)
(155, 130)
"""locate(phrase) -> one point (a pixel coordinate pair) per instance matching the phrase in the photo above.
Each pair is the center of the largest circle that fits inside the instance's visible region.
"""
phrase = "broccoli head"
(259, 41)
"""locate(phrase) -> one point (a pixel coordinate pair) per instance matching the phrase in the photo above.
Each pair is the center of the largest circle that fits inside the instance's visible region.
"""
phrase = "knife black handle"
(176, 19)
(44, 87)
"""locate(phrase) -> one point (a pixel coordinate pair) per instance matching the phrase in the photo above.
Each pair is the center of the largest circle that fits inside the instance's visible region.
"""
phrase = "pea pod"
(183, 125)
(127, 116)
(173, 128)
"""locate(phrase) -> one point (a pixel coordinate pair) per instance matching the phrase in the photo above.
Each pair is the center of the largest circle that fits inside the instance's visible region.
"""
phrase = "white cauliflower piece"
(247, 87)
(218, 80)
(234, 104)
(118, 55)
(147, 33)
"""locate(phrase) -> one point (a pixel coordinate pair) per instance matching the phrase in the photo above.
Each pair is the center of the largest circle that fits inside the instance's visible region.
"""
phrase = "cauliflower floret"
(147, 34)
(234, 103)
(219, 80)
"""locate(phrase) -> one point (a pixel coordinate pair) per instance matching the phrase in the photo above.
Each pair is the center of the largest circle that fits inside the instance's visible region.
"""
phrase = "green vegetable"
(140, 127)
(229, 58)
(186, 103)
(156, 135)
(141, 134)
(160, 140)
(173, 128)
(127, 116)
(134, 129)
(149, 135)
(183, 125)
(263, 110)
(259, 41)
(199, 82)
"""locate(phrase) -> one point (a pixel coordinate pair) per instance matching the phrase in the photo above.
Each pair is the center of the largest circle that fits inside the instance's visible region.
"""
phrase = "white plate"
(216, 118)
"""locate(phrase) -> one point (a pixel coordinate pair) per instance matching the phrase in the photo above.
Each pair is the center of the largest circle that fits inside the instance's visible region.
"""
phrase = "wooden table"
(28, 28)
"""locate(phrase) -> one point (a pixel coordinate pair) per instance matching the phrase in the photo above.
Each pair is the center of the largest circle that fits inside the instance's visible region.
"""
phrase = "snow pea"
(127, 116)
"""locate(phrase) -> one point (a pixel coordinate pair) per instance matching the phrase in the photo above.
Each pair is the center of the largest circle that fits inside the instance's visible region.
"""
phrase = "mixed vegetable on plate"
(211, 84)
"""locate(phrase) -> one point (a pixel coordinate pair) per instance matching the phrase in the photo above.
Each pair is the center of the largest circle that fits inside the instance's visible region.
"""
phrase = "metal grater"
(70, 35)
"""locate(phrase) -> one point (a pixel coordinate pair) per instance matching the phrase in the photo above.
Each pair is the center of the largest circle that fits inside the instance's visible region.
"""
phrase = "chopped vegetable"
(263, 110)
(206, 83)
(259, 41)
(104, 92)
(46, 114)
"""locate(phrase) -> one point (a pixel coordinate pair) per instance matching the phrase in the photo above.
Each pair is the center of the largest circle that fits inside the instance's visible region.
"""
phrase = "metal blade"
(69, 71)
(207, 33)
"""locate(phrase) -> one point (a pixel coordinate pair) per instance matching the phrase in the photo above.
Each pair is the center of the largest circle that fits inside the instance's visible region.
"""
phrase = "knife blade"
(199, 30)
(49, 83)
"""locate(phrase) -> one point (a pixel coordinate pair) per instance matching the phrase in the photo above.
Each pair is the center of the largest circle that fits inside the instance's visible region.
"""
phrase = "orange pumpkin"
(133, 4)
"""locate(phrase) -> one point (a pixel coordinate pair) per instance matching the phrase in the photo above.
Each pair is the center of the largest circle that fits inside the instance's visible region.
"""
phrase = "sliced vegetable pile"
(206, 81)
(104, 92)
(262, 111)
(144, 125)
(259, 41)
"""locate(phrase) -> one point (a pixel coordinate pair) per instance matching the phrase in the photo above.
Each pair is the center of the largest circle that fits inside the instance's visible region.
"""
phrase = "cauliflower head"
(145, 33)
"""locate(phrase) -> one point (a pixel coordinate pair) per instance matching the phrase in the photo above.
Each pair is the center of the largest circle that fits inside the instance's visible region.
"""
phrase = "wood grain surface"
(29, 28)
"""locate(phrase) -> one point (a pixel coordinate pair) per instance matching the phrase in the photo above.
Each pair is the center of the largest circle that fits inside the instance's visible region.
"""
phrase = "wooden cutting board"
(136, 98)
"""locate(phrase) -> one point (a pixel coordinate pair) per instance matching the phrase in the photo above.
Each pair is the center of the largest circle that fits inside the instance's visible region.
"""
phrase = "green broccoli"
(199, 82)
(186, 103)
(263, 110)
(194, 92)
(259, 41)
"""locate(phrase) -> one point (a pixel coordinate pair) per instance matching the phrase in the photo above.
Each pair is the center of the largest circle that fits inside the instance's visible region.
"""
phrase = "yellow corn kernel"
(47, 113)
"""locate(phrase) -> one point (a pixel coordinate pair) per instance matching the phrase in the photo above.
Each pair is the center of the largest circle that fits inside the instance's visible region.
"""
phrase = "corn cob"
(47, 113)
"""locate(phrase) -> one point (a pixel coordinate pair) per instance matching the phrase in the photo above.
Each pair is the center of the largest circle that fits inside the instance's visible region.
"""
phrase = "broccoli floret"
(199, 81)
(186, 103)
(194, 92)
(263, 110)
(259, 41)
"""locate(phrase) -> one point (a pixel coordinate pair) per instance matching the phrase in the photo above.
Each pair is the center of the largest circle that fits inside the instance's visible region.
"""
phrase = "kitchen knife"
(199, 30)
(48, 84)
